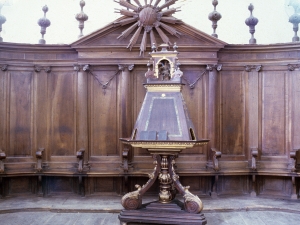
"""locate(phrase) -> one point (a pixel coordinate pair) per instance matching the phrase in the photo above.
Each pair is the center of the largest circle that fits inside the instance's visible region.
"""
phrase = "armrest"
(80, 157)
(39, 156)
(216, 155)
(293, 156)
(2, 158)
(254, 154)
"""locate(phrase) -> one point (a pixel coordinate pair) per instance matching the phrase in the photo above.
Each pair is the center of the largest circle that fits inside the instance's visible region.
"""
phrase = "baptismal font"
(164, 128)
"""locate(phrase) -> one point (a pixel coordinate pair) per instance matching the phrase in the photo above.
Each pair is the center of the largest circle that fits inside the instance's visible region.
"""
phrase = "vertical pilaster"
(125, 110)
(82, 112)
(212, 109)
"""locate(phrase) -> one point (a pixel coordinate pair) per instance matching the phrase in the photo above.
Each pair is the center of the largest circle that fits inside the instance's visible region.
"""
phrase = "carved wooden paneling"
(198, 185)
(275, 186)
(22, 185)
(103, 113)
(273, 137)
(61, 185)
(62, 112)
(20, 113)
(139, 94)
(232, 114)
(195, 101)
(233, 185)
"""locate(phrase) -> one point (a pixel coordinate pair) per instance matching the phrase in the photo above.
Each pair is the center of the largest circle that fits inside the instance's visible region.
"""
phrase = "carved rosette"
(214, 16)
(81, 18)
(2, 21)
(44, 23)
(251, 22)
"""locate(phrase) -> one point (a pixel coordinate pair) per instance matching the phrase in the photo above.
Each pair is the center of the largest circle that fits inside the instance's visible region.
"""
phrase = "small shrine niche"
(165, 65)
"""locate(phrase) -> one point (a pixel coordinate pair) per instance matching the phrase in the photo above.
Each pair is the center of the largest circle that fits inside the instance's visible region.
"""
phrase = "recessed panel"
(273, 115)
(20, 108)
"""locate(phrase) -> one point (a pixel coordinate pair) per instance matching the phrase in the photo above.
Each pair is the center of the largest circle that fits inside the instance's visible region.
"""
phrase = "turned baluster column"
(164, 177)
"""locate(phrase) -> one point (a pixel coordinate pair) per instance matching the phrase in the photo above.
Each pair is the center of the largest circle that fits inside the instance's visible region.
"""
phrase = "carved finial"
(251, 21)
(214, 17)
(153, 47)
(175, 47)
(44, 23)
(2, 21)
(81, 17)
(295, 19)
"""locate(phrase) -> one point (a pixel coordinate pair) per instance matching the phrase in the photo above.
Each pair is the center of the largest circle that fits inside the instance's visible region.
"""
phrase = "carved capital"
(211, 67)
(38, 68)
(86, 68)
(4, 67)
(122, 67)
(76, 67)
(249, 68)
(292, 67)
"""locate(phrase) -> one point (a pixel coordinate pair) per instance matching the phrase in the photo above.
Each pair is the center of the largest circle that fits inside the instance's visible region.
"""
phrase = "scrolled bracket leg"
(192, 203)
(133, 200)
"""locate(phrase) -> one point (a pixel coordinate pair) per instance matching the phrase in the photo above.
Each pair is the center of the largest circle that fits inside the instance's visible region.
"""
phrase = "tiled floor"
(103, 210)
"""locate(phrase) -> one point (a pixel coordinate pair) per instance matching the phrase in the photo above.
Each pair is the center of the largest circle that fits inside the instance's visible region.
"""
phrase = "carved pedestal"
(167, 210)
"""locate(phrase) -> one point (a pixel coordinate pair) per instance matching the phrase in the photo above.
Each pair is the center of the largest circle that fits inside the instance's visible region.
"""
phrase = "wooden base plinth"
(161, 213)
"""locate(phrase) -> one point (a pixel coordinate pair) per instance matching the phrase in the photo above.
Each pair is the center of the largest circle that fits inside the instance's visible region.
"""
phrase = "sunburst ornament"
(149, 18)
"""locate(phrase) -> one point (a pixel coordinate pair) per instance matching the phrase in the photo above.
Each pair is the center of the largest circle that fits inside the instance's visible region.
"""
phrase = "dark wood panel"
(198, 185)
(20, 114)
(275, 186)
(232, 115)
(22, 185)
(139, 94)
(195, 101)
(104, 184)
(233, 185)
(103, 116)
(273, 113)
(57, 185)
(62, 98)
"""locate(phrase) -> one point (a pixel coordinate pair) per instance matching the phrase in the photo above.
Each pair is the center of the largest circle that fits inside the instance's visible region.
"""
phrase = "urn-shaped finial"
(251, 21)
(44, 23)
(214, 16)
(295, 17)
(2, 21)
(81, 18)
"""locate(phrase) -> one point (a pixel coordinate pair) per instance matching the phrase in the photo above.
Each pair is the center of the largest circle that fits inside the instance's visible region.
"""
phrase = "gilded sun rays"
(147, 18)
